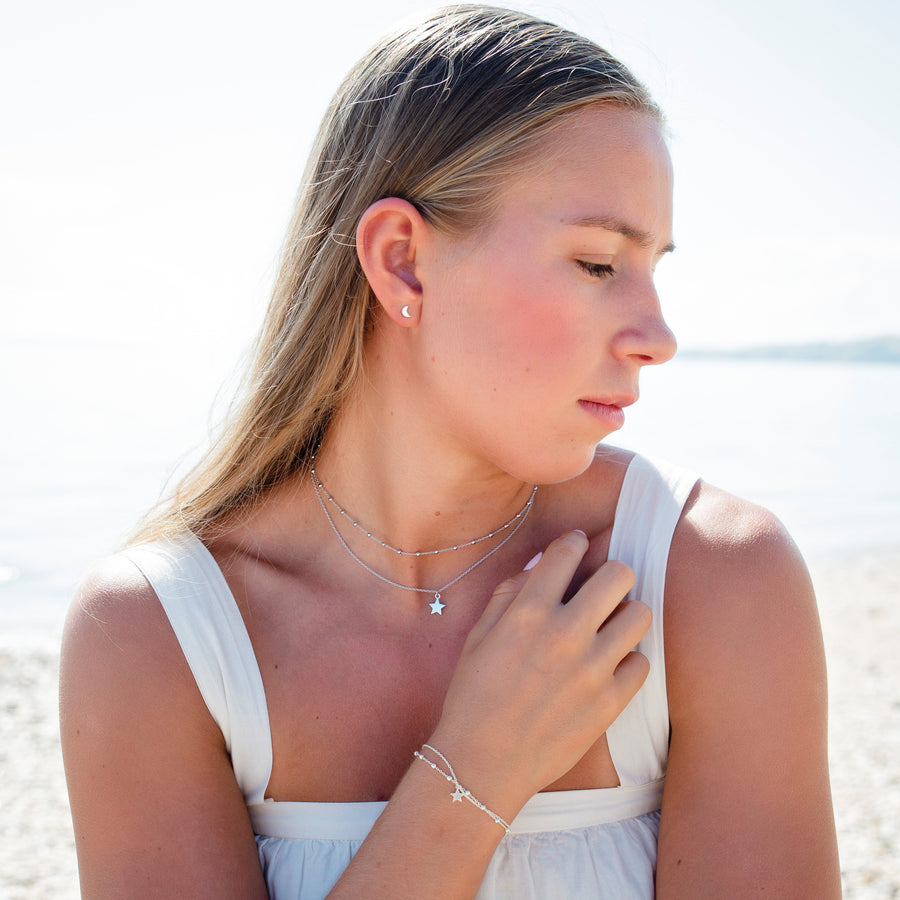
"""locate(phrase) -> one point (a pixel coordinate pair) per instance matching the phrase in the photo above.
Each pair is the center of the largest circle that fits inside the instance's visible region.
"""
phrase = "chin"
(562, 466)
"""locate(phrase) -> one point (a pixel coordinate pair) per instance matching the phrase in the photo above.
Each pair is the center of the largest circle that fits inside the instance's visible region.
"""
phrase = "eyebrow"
(609, 223)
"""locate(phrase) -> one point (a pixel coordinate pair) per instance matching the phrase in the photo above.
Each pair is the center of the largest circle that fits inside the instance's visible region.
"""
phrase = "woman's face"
(534, 328)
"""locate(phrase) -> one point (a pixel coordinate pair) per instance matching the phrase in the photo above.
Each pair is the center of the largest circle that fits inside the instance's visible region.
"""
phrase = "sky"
(149, 155)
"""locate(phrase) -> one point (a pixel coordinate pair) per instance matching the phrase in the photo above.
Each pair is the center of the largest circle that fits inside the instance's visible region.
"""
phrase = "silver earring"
(406, 313)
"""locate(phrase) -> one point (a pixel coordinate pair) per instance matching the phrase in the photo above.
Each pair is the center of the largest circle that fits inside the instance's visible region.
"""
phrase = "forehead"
(600, 161)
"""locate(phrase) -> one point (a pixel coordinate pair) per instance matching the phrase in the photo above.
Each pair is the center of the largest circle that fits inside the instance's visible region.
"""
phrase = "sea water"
(818, 443)
(92, 433)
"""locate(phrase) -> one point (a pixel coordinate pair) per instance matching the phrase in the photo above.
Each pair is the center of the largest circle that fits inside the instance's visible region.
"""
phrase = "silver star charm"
(436, 605)
(457, 795)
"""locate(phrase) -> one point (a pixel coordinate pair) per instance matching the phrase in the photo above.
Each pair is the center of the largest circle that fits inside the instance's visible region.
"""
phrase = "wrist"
(485, 773)
(459, 792)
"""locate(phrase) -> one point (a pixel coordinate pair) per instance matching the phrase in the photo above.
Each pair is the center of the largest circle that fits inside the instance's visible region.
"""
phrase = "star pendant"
(457, 795)
(436, 605)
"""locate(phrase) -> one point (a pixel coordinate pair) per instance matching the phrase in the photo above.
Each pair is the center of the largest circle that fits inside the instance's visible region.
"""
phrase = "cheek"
(534, 332)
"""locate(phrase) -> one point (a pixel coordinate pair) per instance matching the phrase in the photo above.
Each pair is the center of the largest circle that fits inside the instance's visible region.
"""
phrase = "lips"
(621, 400)
(608, 409)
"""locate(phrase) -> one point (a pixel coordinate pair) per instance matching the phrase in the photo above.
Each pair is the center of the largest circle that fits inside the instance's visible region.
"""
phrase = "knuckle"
(640, 613)
(558, 646)
(571, 546)
(562, 637)
(622, 573)
(529, 617)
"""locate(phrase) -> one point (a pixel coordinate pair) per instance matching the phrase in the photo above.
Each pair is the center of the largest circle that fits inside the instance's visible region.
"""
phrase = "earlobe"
(387, 239)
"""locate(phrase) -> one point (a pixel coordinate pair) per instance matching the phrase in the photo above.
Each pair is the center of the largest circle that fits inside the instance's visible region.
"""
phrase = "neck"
(402, 476)
(409, 490)
(412, 476)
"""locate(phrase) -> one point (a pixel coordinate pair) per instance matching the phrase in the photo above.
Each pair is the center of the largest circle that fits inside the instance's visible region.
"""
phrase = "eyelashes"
(596, 270)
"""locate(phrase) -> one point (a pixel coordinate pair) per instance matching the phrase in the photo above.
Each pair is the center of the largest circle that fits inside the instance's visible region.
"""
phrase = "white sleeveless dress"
(563, 844)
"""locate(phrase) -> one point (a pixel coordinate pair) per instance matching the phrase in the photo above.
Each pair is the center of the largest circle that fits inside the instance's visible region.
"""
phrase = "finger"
(596, 599)
(622, 631)
(620, 684)
(554, 571)
(503, 596)
(630, 675)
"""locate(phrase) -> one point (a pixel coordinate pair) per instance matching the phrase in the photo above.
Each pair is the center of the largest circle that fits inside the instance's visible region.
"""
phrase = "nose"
(645, 337)
(651, 344)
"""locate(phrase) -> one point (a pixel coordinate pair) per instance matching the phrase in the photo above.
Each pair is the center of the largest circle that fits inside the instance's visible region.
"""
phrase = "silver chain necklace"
(320, 486)
(436, 606)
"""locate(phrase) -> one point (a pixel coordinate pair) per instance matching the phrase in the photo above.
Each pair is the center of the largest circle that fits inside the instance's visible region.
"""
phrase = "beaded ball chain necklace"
(324, 491)
(436, 605)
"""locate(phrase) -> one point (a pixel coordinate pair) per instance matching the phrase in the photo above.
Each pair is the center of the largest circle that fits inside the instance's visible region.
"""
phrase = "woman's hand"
(538, 682)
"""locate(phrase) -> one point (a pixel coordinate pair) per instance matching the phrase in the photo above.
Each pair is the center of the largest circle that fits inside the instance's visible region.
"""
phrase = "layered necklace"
(436, 606)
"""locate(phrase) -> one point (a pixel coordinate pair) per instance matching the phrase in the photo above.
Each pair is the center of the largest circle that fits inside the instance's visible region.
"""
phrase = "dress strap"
(650, 504)
(208, 624)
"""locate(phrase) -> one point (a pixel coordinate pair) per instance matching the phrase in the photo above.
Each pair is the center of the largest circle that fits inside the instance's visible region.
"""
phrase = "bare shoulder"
(150, 784)
(735, 572)
(740, 611)
(118, 646)
(747, 807)
(123, 677)
(115, 608)
(715, 521)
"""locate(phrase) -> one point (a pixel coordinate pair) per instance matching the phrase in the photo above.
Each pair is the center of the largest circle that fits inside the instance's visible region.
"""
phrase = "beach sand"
(859, 599)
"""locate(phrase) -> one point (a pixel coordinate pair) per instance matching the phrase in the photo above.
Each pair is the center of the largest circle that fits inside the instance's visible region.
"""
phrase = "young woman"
(381, 642)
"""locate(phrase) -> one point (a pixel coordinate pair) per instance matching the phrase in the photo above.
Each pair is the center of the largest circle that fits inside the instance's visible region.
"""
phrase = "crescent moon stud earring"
(405, 312)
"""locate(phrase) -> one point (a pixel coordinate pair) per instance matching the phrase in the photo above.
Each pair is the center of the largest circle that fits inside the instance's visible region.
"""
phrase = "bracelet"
(460, 791)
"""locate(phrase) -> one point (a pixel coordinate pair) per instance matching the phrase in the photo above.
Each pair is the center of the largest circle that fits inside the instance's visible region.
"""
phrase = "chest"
(349, 702)
(355, 680)
(350, 693)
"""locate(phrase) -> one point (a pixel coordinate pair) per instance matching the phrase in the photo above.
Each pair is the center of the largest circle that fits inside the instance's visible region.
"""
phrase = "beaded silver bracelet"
(460, 792)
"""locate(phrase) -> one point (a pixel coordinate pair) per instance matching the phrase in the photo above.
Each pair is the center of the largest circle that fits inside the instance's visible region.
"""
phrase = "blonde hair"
(436, 114)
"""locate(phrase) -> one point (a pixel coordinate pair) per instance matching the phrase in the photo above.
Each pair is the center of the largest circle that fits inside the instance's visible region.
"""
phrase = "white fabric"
(650, 503)
(572, 844)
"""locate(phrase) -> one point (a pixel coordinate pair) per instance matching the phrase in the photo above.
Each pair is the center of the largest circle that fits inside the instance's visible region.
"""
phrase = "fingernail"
(533, 562)
(579, 531)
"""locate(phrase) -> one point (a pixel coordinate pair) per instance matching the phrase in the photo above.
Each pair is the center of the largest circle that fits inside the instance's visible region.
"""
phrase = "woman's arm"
(747, 807)
(156, 808)
(158, 813)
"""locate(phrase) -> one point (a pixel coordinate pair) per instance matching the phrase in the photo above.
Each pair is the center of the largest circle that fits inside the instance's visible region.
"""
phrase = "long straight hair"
(437, 114)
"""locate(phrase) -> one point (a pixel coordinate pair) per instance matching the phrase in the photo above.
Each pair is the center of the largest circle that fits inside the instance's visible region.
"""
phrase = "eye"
(596, 270)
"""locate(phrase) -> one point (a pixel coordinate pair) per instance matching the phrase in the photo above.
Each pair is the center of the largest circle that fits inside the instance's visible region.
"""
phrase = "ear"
(388, 235)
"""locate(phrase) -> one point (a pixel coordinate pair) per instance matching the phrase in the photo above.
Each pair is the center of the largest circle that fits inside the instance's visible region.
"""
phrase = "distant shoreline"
(883, 350)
